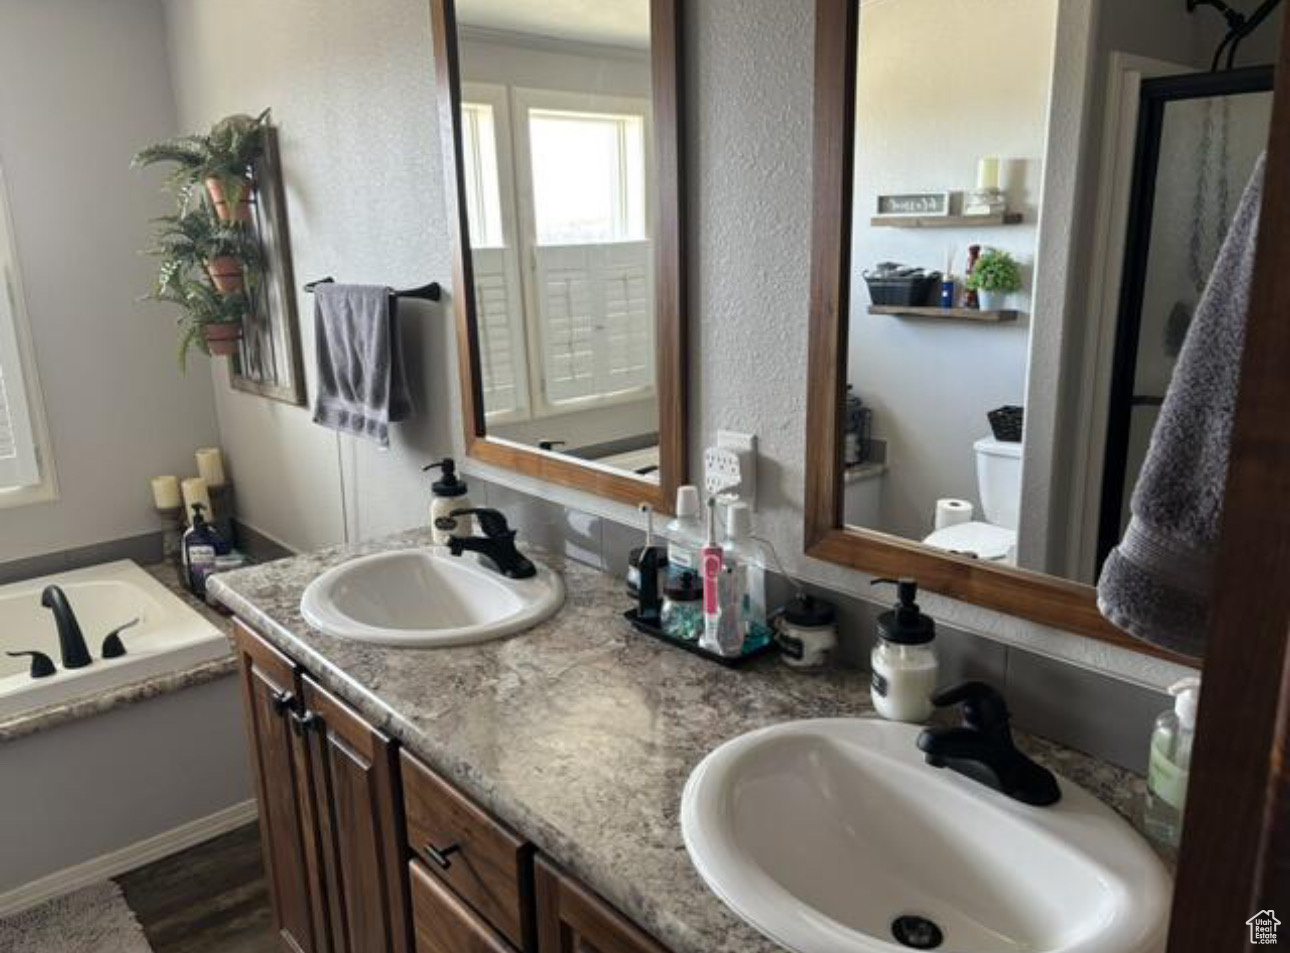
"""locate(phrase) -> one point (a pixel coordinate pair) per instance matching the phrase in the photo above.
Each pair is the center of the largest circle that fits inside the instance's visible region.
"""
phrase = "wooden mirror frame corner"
(1049, 600)
(669, 281)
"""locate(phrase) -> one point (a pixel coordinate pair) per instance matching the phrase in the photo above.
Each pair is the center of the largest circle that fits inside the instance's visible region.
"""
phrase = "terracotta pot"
(222, 339)
(226, 273)
(215, 189)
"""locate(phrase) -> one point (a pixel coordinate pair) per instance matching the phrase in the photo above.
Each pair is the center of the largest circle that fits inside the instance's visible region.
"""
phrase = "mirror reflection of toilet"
(998, 478)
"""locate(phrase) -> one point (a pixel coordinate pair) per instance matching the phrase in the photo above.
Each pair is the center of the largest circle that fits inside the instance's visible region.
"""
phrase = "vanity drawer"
(443, 923)
(486, 864)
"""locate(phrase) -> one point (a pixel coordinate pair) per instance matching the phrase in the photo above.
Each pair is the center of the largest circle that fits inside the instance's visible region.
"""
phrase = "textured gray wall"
(352, 89)
(84, 84)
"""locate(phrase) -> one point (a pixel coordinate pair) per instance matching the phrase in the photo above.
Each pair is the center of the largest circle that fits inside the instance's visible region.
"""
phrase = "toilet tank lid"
(999, 448)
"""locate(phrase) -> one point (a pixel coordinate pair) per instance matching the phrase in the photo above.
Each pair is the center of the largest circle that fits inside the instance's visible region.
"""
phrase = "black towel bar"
(430, 292)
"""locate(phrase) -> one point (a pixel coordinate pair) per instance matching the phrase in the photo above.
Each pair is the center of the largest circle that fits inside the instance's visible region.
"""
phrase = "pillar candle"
(165, 493)
(195, 491)
(987, 173)
(210, 466)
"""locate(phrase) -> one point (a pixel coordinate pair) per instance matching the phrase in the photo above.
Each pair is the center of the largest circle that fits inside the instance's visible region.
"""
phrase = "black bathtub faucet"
(71, 642)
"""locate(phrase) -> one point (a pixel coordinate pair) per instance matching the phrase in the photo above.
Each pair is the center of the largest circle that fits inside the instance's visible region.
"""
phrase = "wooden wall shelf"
(948, 314)
(946, 221)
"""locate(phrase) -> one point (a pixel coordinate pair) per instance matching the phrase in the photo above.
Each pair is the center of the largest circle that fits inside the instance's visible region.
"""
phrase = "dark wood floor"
(211, 898)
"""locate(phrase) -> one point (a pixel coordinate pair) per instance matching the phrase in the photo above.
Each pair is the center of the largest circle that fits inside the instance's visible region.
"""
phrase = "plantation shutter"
(597, 320)
(19, 461)
(499, 316)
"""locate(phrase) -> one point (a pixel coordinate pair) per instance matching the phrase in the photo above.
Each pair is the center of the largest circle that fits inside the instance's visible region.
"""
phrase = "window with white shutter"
(584, 206)
(487, 160)
(26, 475)
(557, 207)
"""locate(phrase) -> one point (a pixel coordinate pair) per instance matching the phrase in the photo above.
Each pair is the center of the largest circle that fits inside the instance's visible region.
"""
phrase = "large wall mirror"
(565, 164)
(985, 436)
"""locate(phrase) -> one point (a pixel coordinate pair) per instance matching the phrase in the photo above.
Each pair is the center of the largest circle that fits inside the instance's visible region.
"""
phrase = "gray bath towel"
(362, 388)
(1156, 583)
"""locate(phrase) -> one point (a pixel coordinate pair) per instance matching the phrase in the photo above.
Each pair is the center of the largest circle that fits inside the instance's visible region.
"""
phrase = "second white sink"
(823, 834)
(423, 598)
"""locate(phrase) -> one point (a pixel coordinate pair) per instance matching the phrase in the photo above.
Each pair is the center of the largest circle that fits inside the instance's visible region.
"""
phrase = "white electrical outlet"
(730, 468)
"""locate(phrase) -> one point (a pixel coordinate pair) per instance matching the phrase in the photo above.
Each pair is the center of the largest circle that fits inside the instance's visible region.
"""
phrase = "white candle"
(165, 493)
(987, 173)
(210, 466)
(195, 491)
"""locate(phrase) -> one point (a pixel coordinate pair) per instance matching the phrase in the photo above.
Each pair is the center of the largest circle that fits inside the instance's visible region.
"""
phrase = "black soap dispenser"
(903, 662)
(449, 495)
(201, 545)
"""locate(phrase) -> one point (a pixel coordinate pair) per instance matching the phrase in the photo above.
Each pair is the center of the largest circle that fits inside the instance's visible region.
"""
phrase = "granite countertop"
(33, 720)
(580, 733)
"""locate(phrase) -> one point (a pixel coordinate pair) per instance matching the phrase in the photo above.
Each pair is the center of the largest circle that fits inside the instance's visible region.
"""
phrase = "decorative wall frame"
(269, 361)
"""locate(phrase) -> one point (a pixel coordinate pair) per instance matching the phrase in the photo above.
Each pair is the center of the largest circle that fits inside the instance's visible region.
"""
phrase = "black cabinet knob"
(282, 702)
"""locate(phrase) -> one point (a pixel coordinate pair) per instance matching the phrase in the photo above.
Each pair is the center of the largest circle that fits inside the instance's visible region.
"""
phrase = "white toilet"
(998, 478)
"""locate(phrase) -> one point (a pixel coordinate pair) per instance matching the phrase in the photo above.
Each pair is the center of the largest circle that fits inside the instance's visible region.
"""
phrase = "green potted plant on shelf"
(222, 160)
(995, 276)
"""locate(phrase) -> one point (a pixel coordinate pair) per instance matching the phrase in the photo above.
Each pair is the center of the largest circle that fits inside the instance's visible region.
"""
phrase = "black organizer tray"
(729, 661)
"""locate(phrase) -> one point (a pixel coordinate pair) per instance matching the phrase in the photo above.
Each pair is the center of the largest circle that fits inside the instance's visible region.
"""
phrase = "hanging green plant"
(221, 160)
(210, 261)
(209, 321)
(196, 241)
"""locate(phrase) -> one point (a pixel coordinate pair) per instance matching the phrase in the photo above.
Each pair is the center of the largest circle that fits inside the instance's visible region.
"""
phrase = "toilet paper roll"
(950, 512)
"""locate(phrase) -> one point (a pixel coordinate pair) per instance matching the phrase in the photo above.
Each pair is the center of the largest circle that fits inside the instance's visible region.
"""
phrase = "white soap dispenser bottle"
(1169, 766)
(449, 495)
(903, 663)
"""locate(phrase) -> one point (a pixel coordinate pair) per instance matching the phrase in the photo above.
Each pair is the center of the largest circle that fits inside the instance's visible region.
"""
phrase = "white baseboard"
(127, 858)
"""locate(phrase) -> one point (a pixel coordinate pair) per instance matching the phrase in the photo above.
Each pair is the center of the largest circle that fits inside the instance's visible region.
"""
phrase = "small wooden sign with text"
(916, 203)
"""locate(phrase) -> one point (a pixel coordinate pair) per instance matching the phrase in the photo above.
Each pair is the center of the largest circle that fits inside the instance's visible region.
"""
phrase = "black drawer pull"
(440, 857)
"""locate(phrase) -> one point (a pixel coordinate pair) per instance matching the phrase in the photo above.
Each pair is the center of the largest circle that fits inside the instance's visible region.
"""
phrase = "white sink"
(424, 598)
(822, 833)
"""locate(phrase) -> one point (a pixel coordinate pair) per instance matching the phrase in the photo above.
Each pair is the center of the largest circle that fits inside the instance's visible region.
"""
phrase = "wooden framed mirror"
(928, 152)
(564, 173)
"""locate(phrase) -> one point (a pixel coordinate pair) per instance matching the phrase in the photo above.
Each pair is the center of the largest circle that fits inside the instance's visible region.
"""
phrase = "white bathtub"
(171, 635)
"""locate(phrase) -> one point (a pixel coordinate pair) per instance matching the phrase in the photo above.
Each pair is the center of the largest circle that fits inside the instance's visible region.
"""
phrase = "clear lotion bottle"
(1169, 766)
(904, 662)
(684, 535)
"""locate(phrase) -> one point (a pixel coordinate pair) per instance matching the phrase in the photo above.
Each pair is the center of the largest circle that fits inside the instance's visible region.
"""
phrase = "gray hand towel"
(1156, 583)
(362, 387)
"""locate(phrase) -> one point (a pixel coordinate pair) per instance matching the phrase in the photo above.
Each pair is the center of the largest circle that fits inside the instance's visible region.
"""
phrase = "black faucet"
(71, 643)
(497, 544)
(982, 748)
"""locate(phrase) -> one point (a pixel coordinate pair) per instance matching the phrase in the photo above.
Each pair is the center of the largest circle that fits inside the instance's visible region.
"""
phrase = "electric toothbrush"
(711, 565)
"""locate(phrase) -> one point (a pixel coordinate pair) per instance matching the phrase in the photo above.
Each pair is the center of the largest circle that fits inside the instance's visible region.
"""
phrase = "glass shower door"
(1197, 149)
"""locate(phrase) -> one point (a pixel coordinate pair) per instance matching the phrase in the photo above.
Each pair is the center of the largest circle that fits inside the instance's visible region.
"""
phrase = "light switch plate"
(745, 446)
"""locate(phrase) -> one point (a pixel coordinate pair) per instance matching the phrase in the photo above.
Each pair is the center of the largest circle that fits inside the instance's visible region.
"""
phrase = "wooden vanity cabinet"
(354, 772)
(571, 919)
(287, 829)
(485, 863)
(368, 850)
(331, 823)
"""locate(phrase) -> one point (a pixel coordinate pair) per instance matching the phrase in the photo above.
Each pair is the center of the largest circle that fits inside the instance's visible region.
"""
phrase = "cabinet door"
(573, 920)
(354, 779)
(287, 828)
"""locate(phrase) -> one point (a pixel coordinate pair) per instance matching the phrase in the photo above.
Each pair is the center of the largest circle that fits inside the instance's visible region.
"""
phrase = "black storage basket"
(1007, 423)
(902, 292)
